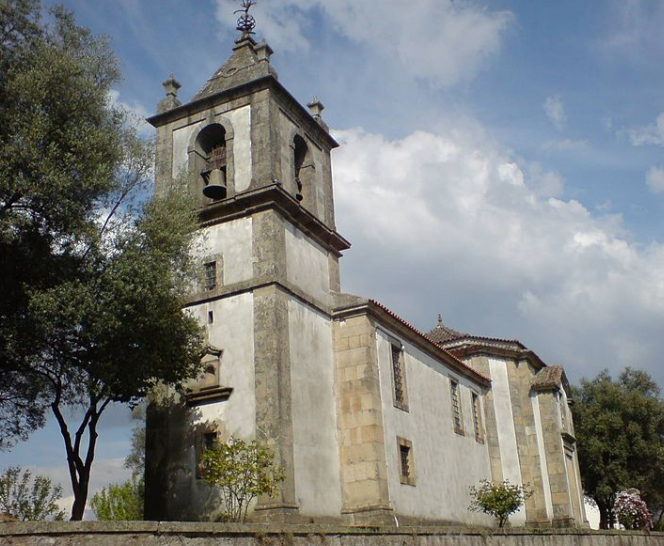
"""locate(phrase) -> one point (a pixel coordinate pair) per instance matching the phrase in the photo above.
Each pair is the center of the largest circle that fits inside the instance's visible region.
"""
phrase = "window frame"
(455, 403)
(399, 385)
(478, 423)
(407, 470)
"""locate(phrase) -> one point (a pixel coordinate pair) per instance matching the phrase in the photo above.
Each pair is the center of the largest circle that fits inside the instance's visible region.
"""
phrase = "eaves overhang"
(394, 322)
(266, 82)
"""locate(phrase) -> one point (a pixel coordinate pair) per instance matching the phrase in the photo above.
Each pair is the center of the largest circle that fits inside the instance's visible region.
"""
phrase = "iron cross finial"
(246, 23)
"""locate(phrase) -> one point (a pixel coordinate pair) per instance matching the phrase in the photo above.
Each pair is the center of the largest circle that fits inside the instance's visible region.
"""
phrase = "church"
(373, 421)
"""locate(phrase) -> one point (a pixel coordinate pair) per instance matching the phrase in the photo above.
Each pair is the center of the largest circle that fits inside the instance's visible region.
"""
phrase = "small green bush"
(498, 499)
(242, 471)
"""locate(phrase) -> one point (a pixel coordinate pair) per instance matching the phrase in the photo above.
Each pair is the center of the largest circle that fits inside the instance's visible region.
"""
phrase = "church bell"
(215, 184)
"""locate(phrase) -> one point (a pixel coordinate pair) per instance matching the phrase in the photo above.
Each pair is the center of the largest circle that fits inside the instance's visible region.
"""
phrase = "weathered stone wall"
(204, 534)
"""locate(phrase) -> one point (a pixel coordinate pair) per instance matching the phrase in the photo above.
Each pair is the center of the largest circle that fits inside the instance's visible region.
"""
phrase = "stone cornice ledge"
(273, 196)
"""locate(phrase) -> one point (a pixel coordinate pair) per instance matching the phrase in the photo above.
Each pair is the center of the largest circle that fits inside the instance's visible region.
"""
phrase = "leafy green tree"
(498, 499)
(26, 499)
(242, 471)
(60, 147)
(123, 502)
(95, 273)
(619, 427)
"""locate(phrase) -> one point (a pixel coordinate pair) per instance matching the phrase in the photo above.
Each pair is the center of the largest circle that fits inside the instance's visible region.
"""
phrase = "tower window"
(456, 407)
(399, 378)
(210, 275)
(406, 466)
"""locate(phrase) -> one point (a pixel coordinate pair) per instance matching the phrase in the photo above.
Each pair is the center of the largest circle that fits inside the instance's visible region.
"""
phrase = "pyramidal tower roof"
(250, 61)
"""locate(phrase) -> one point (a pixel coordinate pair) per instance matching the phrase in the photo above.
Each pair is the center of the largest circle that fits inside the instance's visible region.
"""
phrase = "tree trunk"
(606, 518)
(80, 499)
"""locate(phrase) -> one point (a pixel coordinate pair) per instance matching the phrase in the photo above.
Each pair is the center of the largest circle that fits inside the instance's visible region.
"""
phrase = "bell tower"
(259, 165)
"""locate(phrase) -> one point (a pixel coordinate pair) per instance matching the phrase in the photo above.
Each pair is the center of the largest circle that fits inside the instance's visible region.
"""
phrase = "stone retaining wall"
(204, 534)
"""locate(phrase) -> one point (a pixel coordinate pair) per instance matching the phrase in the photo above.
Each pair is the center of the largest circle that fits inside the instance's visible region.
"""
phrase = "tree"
(26, 499)
(123, 502)
(60, 145)
(619, 427)
(498, 499)
(97, 273)
(243, 471)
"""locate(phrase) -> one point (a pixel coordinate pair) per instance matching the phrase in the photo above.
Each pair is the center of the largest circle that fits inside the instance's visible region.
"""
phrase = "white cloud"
(650, 134)
(555, 111)
(456, 38)
(454, 222)
(137, 113)
(565, 145)
(655, 179)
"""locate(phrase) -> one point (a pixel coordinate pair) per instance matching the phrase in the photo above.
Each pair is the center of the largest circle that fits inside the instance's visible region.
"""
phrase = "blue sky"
(501, 162)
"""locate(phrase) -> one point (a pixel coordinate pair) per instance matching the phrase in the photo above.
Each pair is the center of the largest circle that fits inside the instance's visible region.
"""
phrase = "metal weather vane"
(246, 23)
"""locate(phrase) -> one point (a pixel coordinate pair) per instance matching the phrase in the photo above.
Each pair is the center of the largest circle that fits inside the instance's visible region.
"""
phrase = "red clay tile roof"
(427, 338)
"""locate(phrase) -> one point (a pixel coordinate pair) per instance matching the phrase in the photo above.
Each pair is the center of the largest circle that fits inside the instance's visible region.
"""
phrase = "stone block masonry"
(217, 534)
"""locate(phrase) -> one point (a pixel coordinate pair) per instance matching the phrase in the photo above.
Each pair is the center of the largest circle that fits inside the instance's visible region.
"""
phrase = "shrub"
(632, 511)
(498, 499)
(242, 471)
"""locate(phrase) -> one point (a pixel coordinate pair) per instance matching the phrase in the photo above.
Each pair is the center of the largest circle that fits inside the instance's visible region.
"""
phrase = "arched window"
(210, 152)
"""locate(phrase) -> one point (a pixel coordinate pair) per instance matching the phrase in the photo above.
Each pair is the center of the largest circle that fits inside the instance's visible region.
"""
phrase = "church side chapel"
(373, 421)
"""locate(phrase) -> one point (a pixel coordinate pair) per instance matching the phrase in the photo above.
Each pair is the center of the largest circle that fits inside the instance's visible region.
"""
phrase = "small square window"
(399, 378)
(210, 275)
(456, 407)
(406, 466)
(477, 419)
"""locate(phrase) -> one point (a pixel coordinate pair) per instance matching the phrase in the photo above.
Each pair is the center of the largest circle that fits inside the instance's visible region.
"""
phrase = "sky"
(500, 162)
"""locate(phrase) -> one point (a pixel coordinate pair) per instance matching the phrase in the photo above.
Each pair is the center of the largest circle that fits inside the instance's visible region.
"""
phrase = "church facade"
(373, 421)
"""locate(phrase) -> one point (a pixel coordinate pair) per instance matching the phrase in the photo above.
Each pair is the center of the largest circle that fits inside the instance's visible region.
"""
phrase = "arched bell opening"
(304, 171)
(212, 162)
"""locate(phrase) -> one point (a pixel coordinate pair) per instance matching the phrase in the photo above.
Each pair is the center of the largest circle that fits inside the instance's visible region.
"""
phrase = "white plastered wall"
(315, 445)
(232, 331)
(446, 464)
(509, 454)
(232, 241)
(307, 264)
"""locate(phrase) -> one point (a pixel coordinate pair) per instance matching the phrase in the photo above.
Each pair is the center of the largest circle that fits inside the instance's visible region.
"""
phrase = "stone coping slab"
(268, 529)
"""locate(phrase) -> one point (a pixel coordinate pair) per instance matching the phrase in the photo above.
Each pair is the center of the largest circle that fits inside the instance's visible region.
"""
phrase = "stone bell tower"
(259, 163)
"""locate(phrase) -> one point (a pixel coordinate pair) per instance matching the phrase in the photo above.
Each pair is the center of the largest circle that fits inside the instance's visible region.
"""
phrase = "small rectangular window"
(406, 466)
(477, 418)
(210, 317)
(206, 440)
(456, 407)
(399, 378)
(210, 275)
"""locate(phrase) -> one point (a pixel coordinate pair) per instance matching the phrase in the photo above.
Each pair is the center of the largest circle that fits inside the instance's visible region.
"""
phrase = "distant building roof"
(549, 378)
(442, 333)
